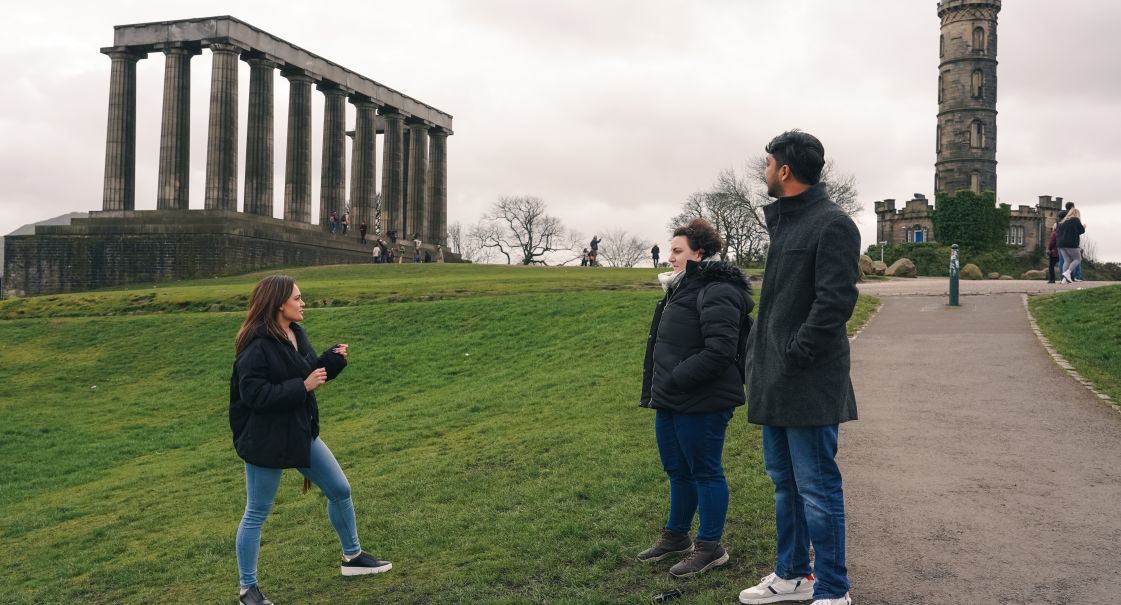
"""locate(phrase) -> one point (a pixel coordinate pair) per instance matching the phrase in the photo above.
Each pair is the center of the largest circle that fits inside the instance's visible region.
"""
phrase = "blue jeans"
(691, 447)
(260, 487)
(809, 505)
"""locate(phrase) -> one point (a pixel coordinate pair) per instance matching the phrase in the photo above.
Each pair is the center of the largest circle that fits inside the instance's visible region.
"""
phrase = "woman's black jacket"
(691, 353)
(273, 417)
(1069, 232)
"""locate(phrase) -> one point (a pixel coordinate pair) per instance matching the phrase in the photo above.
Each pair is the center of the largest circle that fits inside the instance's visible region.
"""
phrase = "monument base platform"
(115, 248)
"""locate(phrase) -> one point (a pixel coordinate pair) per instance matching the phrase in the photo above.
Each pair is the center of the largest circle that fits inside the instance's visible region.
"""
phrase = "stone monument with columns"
(120, 244)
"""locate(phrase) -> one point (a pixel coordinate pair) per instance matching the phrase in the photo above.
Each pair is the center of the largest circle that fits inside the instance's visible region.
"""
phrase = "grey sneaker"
(364, 564)
(704, 557)
(253, 596)
(670, 543)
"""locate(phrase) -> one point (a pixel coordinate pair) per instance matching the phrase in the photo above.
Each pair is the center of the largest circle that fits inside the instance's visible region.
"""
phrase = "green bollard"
(954, 276)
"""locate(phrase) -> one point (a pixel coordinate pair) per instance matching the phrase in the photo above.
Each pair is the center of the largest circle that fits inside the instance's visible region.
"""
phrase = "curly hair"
(702, 237)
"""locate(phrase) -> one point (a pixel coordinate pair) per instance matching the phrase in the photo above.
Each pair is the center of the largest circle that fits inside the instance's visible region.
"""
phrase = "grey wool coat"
(798, 350)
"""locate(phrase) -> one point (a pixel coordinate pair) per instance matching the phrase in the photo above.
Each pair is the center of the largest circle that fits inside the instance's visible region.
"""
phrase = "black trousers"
(1051, 262)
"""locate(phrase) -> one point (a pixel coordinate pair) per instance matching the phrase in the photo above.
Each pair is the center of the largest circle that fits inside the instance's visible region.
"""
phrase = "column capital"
(258, 60)
(297, 76)
(417, 124)
(224, 47)
(438, 131)
(390, 112)
(180, 49)
(330, 88)
(127, 53)
(364, 102)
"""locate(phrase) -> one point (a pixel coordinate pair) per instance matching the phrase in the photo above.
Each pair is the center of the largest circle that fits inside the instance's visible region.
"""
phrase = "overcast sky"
(613, 112)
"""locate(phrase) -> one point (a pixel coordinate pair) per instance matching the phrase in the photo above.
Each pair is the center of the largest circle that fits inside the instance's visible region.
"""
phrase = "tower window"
(942, 45)
(940, 86)
(1015, 236)
(978, 39)
(938, 139)
(975, 183)
(977, 135)
(977, 84)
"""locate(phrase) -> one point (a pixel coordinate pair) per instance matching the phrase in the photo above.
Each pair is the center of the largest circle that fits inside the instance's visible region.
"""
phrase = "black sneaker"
(704, 557)
(670, 543)
(253, 596)
(364, 564)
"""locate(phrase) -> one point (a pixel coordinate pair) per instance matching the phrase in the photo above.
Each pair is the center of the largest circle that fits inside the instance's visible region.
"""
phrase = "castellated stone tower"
(965, 142)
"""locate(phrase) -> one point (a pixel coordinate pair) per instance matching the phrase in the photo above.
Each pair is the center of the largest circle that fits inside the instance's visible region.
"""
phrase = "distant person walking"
(654, 252)
(1069, 240)
(593, 250)
(346, 222)
(798, 381)
(362, 232)
(1052, 253)
(377, 252)
(333, 222)
(275, 422)
(693, 381)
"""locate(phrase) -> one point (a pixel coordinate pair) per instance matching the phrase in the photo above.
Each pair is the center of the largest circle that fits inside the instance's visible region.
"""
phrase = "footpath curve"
(979, 471)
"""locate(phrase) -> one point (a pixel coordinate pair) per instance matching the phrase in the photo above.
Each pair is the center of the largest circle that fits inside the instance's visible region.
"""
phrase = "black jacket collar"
(795, 204)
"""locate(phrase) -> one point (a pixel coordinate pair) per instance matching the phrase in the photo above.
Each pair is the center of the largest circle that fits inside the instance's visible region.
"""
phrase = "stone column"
(438, 186)
(259, 138)
(175, 130)
(221, 145)
(417, 210)
(393, 179)
(119, 191)
(363, 179)
(332, 175)
(297, 165)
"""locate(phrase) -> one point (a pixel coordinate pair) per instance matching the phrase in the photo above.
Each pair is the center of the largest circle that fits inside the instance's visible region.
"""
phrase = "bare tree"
(735, 209)
(841, 186)
(518, 226)
(621, 249)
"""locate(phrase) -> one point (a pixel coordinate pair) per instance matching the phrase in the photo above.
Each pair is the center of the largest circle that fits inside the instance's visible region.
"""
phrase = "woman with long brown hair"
(275, 422)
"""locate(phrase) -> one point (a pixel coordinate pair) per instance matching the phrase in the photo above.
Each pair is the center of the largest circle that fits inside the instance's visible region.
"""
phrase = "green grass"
(492, 440)
(1083, 327)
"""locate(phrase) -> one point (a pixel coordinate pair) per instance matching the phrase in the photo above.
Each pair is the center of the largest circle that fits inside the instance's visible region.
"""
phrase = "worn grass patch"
(493, 443)
(1083, 327)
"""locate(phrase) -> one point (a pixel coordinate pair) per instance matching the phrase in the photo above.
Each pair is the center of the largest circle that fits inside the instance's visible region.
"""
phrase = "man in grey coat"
(798, 380)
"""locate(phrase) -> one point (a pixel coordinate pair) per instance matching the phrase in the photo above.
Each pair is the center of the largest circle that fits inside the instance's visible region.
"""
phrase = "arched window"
(975, 183)
(978, 39)
(938, 139)
(942, 45)
(977, 84)
(940, 86)
(977, 135)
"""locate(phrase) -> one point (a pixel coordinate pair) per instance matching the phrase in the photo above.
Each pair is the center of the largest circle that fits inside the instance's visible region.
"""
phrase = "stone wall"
(114, 248)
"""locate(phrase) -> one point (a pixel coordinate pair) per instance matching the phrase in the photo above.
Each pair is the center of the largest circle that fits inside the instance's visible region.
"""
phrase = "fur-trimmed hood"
(717, 271)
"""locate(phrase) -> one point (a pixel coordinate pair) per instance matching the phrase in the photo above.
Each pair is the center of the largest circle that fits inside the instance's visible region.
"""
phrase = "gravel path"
(979, 472)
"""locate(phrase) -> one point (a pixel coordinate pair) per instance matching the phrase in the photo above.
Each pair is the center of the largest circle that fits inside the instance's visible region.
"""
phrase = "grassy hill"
(487, 423)
(1082, 326)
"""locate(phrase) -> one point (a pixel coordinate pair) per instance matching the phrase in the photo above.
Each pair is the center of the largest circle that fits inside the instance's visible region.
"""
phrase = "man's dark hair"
(1070, 205)
(701, 235)
(802, 152)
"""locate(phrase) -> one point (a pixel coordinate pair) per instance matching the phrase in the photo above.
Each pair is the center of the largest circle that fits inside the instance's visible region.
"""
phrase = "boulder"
(865, 265)
(970, 271)
(902, 268)
(1034, 274)
(879, 267)
(1005, 277)
(994, 275)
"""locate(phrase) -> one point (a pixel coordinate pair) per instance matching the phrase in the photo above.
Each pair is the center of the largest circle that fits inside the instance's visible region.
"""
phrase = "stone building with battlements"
(965, 133)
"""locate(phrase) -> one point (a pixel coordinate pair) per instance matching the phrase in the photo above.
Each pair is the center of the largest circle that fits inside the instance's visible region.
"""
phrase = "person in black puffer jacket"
(692, 377)
(274, 418)
(1069, 240)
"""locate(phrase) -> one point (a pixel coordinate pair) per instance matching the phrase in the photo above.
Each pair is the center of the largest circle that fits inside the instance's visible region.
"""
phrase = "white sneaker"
(845, 600)
(773, 589)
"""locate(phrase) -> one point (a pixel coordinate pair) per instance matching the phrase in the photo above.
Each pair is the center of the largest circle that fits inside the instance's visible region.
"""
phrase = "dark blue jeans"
(691, 447)
(809, 505)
